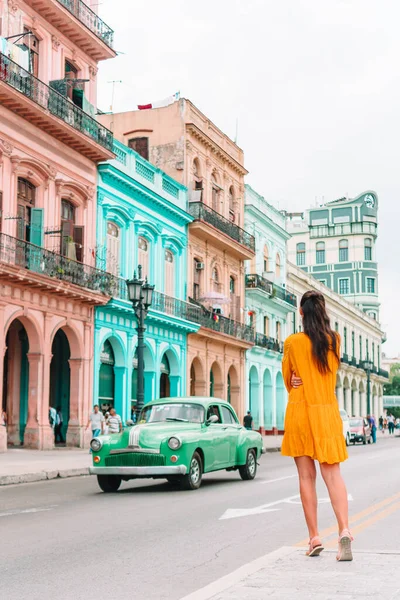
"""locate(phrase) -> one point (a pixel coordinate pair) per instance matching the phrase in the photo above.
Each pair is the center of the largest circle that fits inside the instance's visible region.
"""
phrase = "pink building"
(50, 144)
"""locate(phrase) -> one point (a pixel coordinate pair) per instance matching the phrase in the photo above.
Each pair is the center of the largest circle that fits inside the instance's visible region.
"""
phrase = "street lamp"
(368, 366)
(140, 293)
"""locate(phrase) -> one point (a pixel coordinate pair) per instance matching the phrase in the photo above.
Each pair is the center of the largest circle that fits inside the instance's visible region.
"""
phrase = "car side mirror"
(212, 419)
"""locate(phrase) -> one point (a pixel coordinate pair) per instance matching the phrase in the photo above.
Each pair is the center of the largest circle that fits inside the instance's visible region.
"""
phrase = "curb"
(42, 476)
(273, 449)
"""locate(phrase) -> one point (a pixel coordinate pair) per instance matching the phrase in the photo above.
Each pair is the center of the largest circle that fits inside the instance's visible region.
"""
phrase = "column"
(347, 400)
(356, 402)
(340, 397)
(13, 391)
(120, 396)
(363, 404)
(3, 430)
(32, 437)
(76, 430)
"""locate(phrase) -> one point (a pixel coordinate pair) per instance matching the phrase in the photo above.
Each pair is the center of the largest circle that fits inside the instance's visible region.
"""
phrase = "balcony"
(270, 343)
(44, 107)
(34, 266)
(209, 225)
(346, 359)
(364, 227)
(80, 24)
(274, 291)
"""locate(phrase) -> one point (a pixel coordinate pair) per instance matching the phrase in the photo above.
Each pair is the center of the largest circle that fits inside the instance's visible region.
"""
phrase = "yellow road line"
(353, 519)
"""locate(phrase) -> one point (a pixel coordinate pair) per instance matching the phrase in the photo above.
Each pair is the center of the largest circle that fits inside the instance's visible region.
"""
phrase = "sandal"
(344, 552)
(314, 550)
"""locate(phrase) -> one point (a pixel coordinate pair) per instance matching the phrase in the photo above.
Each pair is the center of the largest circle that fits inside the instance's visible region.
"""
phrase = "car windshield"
(356, 423)
(182, 412)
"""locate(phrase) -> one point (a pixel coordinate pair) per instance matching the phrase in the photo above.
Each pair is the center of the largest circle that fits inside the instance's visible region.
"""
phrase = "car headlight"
(174, 443)
(96, 444)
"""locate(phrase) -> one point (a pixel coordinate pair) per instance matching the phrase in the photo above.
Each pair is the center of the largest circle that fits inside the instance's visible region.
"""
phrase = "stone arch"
(254, 399)
(233, 388)
(268, 401)
(74, 339)
(197, 377)
(216, 380)
(32, 328)
(170, 383)
(280, 401)
(354, 399)
(347, 395)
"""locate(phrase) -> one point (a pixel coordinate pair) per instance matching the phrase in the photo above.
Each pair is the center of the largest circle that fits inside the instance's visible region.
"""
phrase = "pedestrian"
(3, 418)
(96, 421)
(133, 414)
(381, 422)
(248, 421)
(114, 422)
(58, 434)
(372, 424)
(313, 426)
(385, 424)
(106, 428)
(52, 417)
(390, 420)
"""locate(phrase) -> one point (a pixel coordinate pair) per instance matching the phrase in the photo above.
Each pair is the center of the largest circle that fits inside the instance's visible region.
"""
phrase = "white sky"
(314, 85)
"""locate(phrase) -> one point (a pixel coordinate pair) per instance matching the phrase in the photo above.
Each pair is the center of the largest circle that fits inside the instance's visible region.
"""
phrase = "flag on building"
(161, 103)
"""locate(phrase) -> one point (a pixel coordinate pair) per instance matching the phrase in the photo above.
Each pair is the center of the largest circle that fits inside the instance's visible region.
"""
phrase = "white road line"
(277, 479)
(233, 513)
(11, 513)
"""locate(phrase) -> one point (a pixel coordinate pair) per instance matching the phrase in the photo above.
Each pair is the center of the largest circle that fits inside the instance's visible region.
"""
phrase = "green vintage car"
(177, 439)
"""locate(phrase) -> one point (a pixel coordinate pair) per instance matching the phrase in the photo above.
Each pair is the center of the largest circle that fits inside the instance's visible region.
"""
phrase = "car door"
(231, 428)
(220, 439)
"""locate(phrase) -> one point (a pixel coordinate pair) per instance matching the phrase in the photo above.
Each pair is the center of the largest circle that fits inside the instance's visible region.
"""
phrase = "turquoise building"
(269, 306)
(141, 219)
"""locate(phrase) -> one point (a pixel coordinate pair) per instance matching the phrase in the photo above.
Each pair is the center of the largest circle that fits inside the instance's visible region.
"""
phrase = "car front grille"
(135, 459)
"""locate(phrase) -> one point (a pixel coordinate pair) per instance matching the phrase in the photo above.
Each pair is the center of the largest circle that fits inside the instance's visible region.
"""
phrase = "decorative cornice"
(55, 42)
(219, 152)
(13, 6)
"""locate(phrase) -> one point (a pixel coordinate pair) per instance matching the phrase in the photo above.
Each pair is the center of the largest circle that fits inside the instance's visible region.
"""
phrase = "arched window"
(266, 325)
(320, 253)
(215, 190)
(164, 378)
(343, 250)
(232, 284)
(300, 254)
(278, 329)
(197, 182)
(278, 266)
(231, 197)
(113, 248)
(367, 249)
(215, 280)
(143, 255)
(169, 273)
(266, 259)
(26, 194)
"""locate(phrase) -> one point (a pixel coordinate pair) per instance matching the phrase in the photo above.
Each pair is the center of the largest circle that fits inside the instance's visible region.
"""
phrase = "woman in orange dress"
(313, 426)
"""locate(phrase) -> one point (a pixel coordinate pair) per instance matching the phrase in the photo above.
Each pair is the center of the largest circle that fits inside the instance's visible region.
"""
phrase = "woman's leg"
(337, 492)
(308, 493)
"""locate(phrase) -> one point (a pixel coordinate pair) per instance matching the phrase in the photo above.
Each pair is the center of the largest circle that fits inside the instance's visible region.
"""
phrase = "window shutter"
(36, 226)
(78, 237)
(67, 229)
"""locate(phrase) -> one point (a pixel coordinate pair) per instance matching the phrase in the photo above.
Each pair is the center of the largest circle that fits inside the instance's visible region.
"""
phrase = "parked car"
(177, 439)
(346, 425)
(360, 430)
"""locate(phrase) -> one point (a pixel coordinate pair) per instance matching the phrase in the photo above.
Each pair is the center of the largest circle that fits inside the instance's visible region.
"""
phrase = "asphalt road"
(65, 539)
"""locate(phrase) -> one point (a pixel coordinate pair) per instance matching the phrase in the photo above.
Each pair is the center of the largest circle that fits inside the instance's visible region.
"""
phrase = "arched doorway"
(60, 382)
(254, 401)
(16, 382)
(268, 406)
(165, 384)
(216, 382)
(197, 382)
(233, 389)
(280, 402)
(107, 377)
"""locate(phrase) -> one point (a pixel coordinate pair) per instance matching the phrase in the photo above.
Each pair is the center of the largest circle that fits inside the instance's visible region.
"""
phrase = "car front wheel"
(109, 483)
(192, 479)
(249, 470)
(365, 440)
(347, 440)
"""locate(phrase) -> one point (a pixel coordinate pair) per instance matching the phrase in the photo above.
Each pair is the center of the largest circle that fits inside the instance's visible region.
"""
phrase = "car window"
(227, 415)
(214, 410)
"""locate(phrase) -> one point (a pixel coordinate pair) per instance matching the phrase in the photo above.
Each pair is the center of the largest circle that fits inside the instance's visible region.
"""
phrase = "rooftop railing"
(90, 19)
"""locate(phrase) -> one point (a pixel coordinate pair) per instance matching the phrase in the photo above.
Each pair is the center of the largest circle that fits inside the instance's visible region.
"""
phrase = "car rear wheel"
(192, 479)
(249, 470)
(109, 483)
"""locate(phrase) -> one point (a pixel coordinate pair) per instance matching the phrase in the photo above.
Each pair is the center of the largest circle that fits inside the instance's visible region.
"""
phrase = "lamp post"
(140, 293)
(368, 367)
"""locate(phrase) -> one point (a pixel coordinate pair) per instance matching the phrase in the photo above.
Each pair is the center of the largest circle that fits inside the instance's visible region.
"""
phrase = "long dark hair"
(316, 325)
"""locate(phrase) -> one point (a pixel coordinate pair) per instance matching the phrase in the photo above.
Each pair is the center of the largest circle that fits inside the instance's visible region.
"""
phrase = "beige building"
(183, 142)
(360, 334)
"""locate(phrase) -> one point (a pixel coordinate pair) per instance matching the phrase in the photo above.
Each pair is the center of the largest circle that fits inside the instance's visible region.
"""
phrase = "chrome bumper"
(139, 471)
(264, 451)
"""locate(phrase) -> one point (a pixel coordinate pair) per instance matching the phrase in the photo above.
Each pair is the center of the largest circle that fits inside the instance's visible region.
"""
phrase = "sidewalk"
(25, 466)
(287, 574)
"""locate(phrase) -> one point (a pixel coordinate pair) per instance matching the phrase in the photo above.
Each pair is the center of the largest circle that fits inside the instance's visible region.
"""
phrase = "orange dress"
(313, 425)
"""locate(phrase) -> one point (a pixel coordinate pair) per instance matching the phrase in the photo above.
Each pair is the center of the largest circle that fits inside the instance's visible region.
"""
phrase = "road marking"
(322, 500)
(233, 513)
(355, 518)
(11, 513)
(278, 479)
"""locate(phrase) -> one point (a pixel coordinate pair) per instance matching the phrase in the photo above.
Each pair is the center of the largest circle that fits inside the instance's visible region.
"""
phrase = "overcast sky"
(313, 84)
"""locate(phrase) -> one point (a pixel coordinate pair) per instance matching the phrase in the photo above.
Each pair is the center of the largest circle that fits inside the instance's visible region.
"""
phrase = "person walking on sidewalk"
(96, 421)
(313, 426)
(390, 420)
(248, 421)
(372, 424)
(58, 435)
(114, 422)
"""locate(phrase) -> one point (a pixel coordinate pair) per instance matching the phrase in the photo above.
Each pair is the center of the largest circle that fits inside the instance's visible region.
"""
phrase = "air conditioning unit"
(199, 266)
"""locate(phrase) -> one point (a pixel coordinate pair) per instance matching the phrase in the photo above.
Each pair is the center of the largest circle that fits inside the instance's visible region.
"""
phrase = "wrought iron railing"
(51, 100)
(44, 262)
(274, 290)
(346, 359)
(270, 343)
(221, 324)
(88, 17)
(202, 212)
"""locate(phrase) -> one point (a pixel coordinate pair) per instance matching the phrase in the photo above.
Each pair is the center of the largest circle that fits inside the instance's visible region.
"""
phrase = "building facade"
(181, 140)
(361, 339)
(268, 306)
(142, 220)
(335, 243)
(49, 147)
